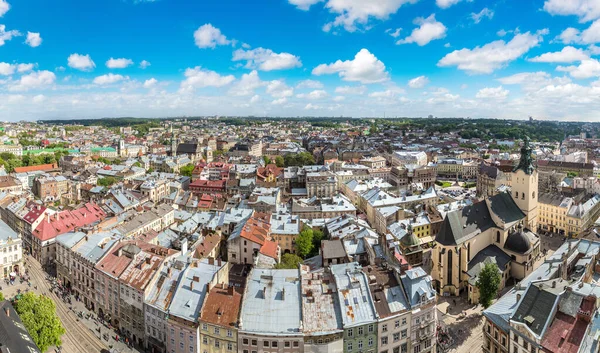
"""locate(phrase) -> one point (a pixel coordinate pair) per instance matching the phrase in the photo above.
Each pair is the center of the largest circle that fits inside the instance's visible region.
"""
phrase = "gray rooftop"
(354, 295)
(272, 302)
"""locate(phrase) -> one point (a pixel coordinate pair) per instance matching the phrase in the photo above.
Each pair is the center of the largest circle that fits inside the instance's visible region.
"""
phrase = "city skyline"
(448, 58)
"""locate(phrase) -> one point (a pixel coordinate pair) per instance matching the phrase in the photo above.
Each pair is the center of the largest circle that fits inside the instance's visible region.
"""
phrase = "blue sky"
(499, 59)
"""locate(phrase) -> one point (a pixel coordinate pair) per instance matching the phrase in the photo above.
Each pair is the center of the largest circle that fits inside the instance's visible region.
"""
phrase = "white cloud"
(390, 93)
(357, 90)
(4, 7)
(316, 94)
(354, 13)
(311, 106)
(144, 64)
(151, 82)
(418, 82)
(33, 39)
(501, 33)
(25, 67)
(586, 10)
(394, 33)
(493, 55)
(255, 99)
(590, 35)
(278, 89)
(566, 55)
(309, 84)
(38, 98)
(81, 62)
(492, 93)
(7, 35)
(444, 4)
(109, 79)
(247, 84)
(200, 78)
(279, 101)
(364, 68)
(304, 5)
(34, 80)
(118, 63)
(208, 36)
(569, 35)
(7, 69)
(477, 17)
(266, 59)
(429, 29)
(587, 69)
(338, 98)
(594, 50)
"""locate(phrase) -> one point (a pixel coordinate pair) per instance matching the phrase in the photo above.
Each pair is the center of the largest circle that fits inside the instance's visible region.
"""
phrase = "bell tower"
(525, 186)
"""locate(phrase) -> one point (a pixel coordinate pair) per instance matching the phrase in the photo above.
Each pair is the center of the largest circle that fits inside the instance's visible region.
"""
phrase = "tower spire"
(526, 162)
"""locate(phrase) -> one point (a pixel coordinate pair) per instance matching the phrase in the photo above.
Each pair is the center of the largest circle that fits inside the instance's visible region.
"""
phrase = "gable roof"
(462, 225)
(503, 206)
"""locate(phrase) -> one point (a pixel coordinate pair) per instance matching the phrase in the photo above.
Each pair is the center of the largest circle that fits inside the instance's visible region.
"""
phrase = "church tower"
(174, 146)
(525, 186)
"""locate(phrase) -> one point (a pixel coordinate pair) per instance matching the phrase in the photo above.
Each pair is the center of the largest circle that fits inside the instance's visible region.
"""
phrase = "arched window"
(516, 194)
(533, 195)
(522, 196)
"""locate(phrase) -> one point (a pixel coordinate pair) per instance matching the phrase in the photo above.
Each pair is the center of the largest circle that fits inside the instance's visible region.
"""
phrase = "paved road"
(78, 338)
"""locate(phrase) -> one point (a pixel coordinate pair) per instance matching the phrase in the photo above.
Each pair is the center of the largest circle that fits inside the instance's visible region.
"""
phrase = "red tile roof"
(222, 306)
(565, 334)
(270, 249)
(256, 229)
(34, 168)
(66, 221)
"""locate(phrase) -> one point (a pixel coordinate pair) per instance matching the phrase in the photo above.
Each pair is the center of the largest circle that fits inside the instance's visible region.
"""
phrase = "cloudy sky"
(477, 58)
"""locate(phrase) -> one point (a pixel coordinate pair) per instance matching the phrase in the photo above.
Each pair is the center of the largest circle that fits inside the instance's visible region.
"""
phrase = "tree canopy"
(107, 181)
(488, 284)
(38, 314)
(279, 161)
(289, 261)
(304, 243)
(187, 170)
(299, 159)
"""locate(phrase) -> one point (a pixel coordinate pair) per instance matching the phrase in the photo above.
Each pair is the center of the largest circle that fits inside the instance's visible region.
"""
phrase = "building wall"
(252, 342)
(361, 339)
(217, 338)
(397, 333)
(525, 193)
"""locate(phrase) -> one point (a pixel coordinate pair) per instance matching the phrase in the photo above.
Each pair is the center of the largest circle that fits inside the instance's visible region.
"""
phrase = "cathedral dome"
(518, 241)
(410, 240)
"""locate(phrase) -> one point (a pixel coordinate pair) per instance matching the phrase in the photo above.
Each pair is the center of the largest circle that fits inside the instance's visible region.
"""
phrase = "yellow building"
(552, 215)
(219, 320)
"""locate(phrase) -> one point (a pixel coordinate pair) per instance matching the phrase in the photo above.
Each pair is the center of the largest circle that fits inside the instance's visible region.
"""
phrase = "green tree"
(267, 160)
(107, 181)
(289, 261)
(488, 284)
(137, 164)
(186, 170)
(38, 314)
(317, 238)
(279, 161)
(304, 242)
(1, 297)
(299, 159)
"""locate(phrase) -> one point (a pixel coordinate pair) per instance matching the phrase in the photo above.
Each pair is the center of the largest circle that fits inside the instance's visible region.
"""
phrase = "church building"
(499, 229)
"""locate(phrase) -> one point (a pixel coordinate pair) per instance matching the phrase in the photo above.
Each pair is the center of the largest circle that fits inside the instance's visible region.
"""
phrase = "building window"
(274, 344)
(370, 342)
(349, 346)
(396, 337)
(360, 331)
(384, 340)
(266, 344)
(296, 344)
(229, 333)
(384, 328)
(245, 341)
(351, 333)
(371, 328)
(254, 343)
